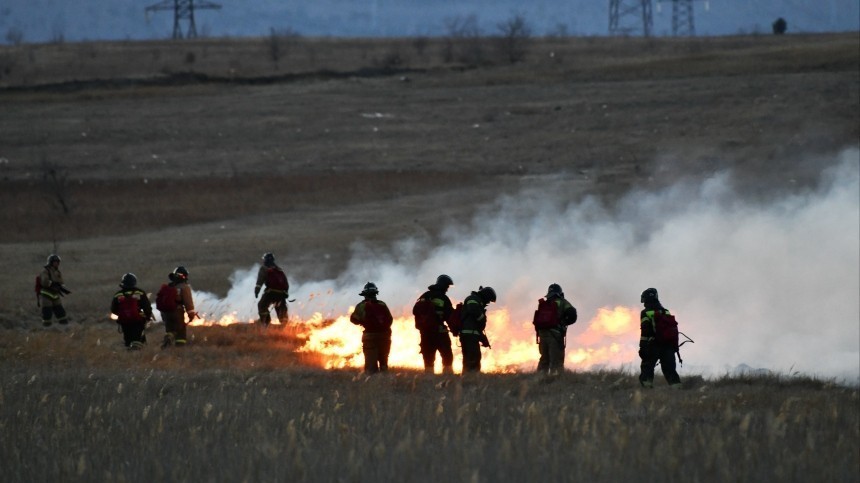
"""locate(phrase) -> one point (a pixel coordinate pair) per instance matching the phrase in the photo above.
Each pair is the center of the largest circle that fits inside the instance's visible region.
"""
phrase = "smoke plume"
(771, 285)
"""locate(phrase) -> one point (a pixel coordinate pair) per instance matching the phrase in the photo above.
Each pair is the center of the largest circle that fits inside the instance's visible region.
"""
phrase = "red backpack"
(425, 315)
(665, 329)
(166, 298)
(377, 318)
(128, 306)
(38, 286)
(546, 315)
(455, 320)
(276, 279)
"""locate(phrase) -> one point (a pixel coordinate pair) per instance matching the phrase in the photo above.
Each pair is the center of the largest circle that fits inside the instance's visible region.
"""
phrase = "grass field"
(237, 407)
(143, 156)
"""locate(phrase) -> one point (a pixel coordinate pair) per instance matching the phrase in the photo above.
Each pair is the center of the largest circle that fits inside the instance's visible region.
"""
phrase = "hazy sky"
(73, 20)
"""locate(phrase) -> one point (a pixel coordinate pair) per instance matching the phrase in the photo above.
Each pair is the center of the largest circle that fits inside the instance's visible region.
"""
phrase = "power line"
(628, 17)
(183, 10)
(683, 23)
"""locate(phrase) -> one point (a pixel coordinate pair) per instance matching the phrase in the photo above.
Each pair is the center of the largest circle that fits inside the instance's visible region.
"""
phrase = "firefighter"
(650, 351)
(51, 292)
(373, 315)
(434, 334)
(174, 302)
(132, 308)
(276, 292)
(474, 321)
(551, 340)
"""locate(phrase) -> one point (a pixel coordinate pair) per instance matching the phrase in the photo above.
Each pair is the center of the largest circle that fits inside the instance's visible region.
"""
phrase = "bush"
(780, 26)
(516, 34)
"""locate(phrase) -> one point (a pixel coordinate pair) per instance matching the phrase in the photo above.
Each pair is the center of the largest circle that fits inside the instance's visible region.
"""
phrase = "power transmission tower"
(626, 17)
(183, 10)
(682, 17)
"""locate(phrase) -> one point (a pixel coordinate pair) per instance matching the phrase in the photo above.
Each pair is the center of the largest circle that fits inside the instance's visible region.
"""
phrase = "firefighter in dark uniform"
(51, 292)
(175, 326)
(650, 351)
(373, 315)
(435, 339)
(474, 320)
(551, 341)
(277, 290)
(132, 308)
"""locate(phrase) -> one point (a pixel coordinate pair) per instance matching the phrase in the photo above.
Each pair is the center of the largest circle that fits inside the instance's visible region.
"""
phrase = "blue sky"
(75, 20)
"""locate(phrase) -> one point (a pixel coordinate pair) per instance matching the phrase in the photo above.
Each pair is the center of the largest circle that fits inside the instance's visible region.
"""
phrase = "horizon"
(89, 20)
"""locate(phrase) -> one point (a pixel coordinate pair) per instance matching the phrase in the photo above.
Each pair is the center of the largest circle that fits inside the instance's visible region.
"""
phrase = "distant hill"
(75, 20)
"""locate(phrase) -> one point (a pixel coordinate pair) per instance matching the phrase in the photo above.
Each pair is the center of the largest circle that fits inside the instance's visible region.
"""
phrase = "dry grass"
(239, 406)
(249, 60)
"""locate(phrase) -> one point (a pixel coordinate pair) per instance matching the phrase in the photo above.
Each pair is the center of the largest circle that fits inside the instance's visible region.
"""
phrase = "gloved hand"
(256, 291)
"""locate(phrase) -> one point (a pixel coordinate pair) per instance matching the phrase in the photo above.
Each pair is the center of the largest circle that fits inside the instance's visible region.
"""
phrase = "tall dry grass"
(229, 409)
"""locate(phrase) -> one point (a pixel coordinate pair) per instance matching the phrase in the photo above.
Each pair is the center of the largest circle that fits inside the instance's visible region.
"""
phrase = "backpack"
(376, 317)
(276, 279)
(546, 315)
(38, 285)
(665, 329)
(165, 299)
(455, 320)
(128, 306)
(425, 315)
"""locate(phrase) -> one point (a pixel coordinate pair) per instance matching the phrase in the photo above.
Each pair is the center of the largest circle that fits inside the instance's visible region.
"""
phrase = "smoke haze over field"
(772, 284)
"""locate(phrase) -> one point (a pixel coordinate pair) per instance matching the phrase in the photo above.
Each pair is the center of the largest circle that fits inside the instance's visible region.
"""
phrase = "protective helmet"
(53, 258)
(180, 273)
(268, 259)
(444, 280)
(369, 289)
(129, 280)
(488, 294)
(650, 294)
(554, 290)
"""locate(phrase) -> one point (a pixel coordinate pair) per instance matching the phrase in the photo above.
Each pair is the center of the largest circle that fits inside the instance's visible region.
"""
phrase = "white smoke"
(771, 285)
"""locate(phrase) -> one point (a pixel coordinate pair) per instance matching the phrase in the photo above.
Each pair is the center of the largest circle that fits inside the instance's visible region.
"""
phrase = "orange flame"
(609, 339)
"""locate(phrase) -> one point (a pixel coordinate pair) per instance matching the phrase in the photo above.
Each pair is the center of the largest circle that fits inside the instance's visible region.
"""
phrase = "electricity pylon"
(682, 17)
(626, 17)
(183, 10)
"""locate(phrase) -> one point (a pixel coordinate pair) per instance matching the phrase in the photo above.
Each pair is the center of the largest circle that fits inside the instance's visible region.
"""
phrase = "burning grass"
(241, 405)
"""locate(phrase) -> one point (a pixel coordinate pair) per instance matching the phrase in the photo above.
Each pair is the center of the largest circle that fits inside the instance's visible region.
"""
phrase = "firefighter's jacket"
(263, 276)
(442, 304)
(566, 311)
(51, 279)
(474, 316)
(647, 324)
(373, 315)
(143, 303)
